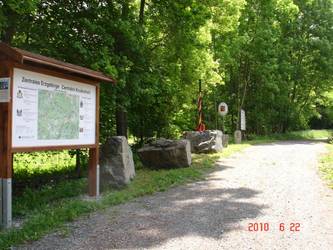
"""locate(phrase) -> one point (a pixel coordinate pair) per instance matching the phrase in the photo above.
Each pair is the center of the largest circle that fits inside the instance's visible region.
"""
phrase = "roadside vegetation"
(323, 134)
(326, 165)
(270, 58)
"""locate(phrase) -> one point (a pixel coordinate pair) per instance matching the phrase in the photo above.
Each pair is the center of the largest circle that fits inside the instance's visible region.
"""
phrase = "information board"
(4, 89)
(51, 111)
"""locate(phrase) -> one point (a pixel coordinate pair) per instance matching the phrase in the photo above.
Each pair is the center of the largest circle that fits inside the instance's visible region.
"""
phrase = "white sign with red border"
(223, 109)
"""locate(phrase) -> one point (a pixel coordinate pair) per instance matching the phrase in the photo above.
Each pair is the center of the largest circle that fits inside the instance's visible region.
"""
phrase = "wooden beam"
(6, 158)
(51, 148)
(93, 182)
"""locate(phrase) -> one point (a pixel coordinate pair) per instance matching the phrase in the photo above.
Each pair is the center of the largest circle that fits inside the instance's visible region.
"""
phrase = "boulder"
(208, 141)
(116, 162)
(163, 153)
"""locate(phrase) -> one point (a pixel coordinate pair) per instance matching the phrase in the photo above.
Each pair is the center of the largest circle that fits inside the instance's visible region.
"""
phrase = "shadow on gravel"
(220, 167)
(194, 210)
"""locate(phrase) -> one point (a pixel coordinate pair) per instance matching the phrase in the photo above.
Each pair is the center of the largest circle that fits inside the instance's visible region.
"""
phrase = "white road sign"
(223, 109)
(243, 120)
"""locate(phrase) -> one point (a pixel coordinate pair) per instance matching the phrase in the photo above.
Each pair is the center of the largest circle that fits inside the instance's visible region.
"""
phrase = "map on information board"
(51, 111)
(58, 115)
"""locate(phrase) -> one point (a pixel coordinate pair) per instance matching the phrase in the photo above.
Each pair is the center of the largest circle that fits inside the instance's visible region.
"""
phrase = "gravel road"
(273, 183)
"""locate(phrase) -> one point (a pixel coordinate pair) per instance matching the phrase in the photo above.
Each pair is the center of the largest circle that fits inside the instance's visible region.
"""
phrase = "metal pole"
(216, 112)
(7, 202)
(97, 180)
(1, 204)
(201, 126)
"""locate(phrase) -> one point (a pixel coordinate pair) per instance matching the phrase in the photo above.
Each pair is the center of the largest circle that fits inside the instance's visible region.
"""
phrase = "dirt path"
(274, 183)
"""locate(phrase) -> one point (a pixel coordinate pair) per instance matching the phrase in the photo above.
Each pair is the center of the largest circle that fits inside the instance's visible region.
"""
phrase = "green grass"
(43, 170)
(296, 135)
(34, 200)
(326, 165)
(51, 207)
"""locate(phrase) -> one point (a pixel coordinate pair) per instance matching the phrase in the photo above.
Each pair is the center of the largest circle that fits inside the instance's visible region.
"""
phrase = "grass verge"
(296, 135)
(51, 207)
(326, 166)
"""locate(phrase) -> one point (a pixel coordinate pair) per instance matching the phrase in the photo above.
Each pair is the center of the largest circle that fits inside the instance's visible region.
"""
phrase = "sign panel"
(51, 111)
(4, 89)
(223, 109)
(243, 120)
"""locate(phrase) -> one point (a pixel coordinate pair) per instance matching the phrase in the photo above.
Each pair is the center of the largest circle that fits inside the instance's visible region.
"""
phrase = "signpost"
(201, 126)
(45, 104)
(238, 133)
(242, 120)
(223, 110)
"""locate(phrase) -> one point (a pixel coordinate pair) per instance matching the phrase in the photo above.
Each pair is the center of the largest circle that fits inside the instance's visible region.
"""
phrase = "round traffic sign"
(223, 109)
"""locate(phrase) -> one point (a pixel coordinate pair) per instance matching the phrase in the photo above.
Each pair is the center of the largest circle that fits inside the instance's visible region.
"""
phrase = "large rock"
(116, 162)
(164, 153)
(208, 141)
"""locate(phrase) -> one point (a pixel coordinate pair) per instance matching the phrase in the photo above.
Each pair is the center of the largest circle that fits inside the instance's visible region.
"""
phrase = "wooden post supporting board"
(6, 157)
(93, 172)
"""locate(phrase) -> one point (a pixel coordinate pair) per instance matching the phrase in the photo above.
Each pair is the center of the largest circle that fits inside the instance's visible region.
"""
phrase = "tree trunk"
(10, 26)
(121, 113)
(121, 121)
(8, 35)
(142, 11)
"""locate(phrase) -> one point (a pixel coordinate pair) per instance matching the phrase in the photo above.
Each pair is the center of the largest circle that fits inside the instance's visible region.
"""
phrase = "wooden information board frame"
(11, 58)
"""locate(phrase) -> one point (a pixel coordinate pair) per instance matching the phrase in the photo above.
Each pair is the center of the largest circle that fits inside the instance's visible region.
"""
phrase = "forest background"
(272, 58)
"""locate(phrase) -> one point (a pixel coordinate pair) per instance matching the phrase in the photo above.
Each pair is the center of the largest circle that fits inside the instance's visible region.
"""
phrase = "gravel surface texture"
(273, 183)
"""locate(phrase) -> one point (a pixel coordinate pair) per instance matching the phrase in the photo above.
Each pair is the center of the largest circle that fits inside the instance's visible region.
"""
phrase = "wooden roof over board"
(25, 57)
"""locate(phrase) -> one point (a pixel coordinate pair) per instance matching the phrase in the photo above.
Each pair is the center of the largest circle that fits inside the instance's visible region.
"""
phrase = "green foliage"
(271, 58)
(274, 69)
(39, 164)
(33, 200)
(324, 112)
